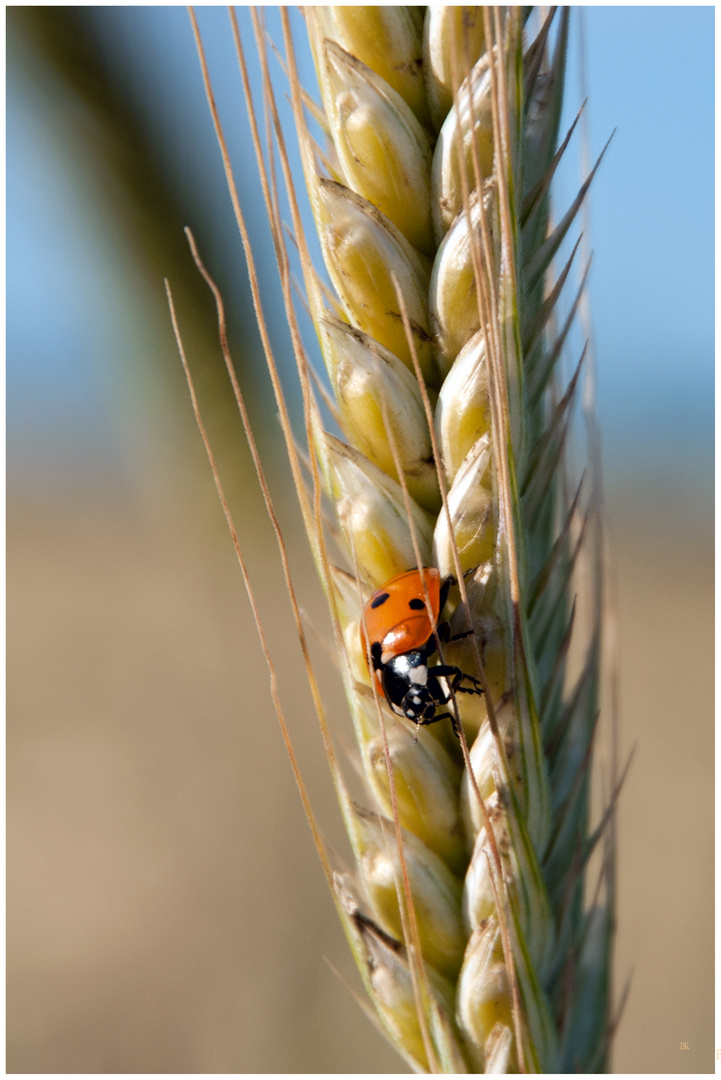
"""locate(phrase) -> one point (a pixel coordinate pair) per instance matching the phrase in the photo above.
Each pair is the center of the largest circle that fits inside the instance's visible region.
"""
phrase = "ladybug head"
(418, 704)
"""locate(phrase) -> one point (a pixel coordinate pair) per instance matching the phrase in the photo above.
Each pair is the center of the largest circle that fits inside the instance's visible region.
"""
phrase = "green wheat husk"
(479, 940)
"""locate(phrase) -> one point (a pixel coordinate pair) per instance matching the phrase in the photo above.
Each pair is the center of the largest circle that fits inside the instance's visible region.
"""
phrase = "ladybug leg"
(456, 676)
(435, 719)
(475, 689)
(444, 633)
(443, 630)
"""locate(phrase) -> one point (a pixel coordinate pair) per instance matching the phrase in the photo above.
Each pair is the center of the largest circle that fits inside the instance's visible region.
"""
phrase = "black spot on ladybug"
(416, 604)
(380, 600)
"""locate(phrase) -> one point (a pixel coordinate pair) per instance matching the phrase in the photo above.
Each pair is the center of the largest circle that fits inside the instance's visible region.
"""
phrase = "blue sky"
(73, 315)
(651, 77)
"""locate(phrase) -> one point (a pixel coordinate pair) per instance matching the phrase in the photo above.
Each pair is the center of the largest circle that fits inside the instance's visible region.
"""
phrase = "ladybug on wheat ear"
(401, 638)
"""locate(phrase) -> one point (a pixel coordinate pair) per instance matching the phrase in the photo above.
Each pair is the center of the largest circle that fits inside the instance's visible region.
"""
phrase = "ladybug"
(400, 636)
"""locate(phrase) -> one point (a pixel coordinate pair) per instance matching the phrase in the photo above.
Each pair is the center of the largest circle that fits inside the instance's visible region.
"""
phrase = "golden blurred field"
(166, 909)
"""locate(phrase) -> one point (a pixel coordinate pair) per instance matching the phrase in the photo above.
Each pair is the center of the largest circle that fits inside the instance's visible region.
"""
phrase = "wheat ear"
(478, 939)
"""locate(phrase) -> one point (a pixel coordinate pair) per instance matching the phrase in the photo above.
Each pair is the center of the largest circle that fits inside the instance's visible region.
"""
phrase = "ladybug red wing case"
(396, 616)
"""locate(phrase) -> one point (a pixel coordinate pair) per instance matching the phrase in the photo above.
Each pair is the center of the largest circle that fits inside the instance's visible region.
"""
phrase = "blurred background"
(166, 909)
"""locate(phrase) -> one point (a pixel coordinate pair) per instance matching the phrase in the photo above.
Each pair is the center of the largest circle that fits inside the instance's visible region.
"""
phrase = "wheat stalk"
(468, 912)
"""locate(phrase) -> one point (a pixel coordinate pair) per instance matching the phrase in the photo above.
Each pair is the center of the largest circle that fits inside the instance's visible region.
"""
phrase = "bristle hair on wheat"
(428, 164)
